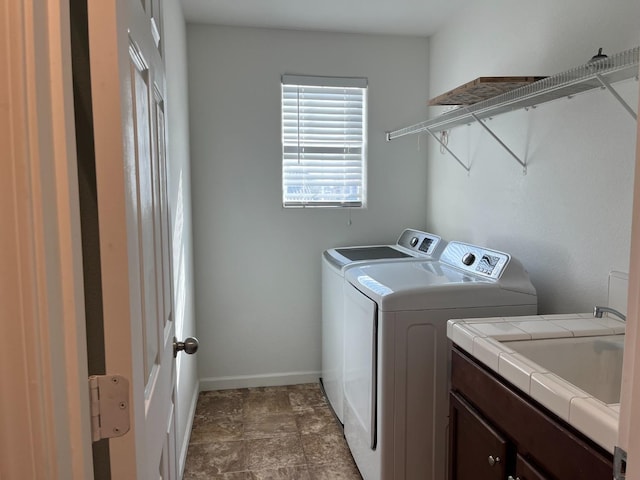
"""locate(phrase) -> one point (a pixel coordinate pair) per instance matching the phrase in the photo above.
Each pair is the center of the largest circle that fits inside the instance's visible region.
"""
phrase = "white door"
(127, 82)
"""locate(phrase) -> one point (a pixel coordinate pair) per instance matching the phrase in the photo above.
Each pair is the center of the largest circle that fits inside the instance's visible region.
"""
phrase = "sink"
(569, 363)
(593, 364)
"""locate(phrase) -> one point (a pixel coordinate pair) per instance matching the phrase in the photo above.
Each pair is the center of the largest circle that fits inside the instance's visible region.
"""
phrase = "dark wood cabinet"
(479, 451)
(526, 471)
(497, 432)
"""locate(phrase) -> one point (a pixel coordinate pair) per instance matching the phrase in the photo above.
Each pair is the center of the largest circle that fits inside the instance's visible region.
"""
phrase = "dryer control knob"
(468, 259)
(414, 241)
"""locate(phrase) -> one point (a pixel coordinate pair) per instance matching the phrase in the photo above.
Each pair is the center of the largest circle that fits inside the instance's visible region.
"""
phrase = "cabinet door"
(526, 471)
(478, 451)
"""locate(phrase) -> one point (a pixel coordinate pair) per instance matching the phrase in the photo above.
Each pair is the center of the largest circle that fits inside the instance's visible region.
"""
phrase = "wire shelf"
(599, 74)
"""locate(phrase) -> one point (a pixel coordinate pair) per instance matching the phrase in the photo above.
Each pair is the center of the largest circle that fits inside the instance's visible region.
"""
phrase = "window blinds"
(324, 141)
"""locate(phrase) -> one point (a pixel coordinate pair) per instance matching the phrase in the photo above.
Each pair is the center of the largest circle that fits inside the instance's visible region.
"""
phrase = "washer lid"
(432, 285)
(370, 253)
(411, 244)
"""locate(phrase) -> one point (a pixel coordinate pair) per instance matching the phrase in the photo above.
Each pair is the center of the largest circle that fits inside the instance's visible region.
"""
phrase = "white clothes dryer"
(412, 245)
(396, 352)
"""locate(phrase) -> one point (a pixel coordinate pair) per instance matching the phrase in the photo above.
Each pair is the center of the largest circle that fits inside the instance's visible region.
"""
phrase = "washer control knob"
(468, 259)
(414, 241)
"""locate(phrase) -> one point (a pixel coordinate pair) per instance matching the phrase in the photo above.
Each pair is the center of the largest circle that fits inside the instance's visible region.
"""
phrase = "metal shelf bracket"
(600, 74)
(502, 144)
(605, 83)
(444, 145)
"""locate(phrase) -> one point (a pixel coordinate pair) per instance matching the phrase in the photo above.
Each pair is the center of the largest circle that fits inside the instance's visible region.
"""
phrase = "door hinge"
(619, 463)
(109, 400)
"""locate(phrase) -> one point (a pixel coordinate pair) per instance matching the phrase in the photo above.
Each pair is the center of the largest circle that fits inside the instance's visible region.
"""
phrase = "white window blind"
(324, 139)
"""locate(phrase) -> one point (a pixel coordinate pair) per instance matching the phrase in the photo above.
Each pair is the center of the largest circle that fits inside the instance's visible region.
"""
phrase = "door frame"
(45, 358)
(628, 434)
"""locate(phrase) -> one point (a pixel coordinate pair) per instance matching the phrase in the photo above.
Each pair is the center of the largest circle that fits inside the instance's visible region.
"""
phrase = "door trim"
(46, 353)
(628, 435)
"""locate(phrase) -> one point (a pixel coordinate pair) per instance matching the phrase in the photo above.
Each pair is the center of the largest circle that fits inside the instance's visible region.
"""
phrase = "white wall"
(569, 218)
(179, 179)
(257, 266)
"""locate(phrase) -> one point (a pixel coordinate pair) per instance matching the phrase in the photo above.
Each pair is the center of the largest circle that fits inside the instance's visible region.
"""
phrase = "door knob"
(189, 346)
(493, 460)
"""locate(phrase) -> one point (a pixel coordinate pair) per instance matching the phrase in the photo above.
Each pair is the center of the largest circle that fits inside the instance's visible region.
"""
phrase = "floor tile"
(266, 426)
(276, 452)
(266, 403)
(286, 473)
(216, 458)
(265, 433)
(219, 406)
(342, 471)
(211, 429)
(222, 476)
(318, 420)
(306, 397)
(325, 449)
(304, 386)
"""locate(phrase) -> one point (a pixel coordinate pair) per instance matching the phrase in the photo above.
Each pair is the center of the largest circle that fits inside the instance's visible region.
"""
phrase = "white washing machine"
(396, 366)
(412, 245)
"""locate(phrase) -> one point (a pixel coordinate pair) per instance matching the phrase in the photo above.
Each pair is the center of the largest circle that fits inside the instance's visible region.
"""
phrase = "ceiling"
(396, 17)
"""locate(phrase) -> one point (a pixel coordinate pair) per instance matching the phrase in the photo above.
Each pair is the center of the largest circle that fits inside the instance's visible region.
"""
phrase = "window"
(324, 139)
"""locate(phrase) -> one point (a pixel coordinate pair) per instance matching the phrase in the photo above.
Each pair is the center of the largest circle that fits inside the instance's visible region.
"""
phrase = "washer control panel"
(477, 260)
(419, 242)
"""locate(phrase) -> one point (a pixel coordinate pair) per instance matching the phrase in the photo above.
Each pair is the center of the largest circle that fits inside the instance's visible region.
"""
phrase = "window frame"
(319, 82)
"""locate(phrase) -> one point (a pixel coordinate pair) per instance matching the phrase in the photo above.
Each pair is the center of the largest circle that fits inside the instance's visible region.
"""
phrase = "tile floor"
(267, 433)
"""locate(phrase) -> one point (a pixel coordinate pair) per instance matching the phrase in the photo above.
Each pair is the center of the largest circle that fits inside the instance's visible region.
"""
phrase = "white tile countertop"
(483, 338)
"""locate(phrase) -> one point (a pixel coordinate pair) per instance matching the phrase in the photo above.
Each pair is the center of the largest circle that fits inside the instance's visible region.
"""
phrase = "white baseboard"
(184, 448)
(268, 380)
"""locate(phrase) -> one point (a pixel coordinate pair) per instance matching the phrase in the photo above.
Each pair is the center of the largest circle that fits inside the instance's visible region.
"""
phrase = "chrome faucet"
(598, 311)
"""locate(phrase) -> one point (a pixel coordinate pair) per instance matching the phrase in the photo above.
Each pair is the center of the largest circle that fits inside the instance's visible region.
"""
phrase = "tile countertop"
(482, 337)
